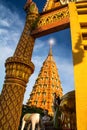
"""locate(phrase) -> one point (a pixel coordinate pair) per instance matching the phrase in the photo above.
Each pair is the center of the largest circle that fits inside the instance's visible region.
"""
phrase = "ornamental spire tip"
(51, 43)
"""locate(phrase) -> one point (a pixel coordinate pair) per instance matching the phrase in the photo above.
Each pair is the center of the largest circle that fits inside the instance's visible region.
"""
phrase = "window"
(42, 78)
(44, 93)
(45, 85)
(52, 85)
(38, 93)
(40, 85)
(36, 101)
(46, 77)
(52, 78)
(53, 72)
(43, 102)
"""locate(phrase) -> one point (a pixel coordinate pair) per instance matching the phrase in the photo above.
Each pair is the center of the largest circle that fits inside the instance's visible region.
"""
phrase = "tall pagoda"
(47, 83)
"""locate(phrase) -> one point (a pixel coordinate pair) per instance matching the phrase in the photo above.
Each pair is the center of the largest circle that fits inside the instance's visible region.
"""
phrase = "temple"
(51, 4)
(47, 83)
(56, 16)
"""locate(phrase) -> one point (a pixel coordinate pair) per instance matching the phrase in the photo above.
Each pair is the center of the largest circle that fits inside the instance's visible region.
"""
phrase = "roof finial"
(29, 1)
(51, 42)
(50, 51)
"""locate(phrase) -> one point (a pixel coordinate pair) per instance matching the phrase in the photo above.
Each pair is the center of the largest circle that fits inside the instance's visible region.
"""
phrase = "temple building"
(57, 15)
(47, 83)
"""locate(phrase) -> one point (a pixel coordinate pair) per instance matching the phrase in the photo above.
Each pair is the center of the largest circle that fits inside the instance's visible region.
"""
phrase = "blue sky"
(12, 19)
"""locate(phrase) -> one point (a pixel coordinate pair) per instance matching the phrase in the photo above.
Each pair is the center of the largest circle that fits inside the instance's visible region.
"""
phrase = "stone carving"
(18, 70)
(51, 18)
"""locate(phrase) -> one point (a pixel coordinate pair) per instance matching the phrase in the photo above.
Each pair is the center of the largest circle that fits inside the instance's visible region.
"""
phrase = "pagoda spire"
(46, 85)
(51, 43)
(50, 50)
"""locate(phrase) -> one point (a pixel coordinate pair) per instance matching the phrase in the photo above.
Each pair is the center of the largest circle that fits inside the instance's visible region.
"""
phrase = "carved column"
(18, 70)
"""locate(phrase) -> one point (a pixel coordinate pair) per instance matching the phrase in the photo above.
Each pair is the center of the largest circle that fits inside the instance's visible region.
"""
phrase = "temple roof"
(51, 4)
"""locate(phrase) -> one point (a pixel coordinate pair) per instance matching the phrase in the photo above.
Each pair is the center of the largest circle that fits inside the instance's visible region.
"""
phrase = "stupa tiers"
(47, 83)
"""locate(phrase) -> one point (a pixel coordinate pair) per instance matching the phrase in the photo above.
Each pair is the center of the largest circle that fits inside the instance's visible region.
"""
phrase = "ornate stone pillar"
(18, 70)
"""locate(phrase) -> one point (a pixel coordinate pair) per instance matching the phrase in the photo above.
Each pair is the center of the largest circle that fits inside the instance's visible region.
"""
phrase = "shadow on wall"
(78, 52)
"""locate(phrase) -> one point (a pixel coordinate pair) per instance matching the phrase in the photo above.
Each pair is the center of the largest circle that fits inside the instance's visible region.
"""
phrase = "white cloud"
(4, 22)
(5, 52)
(3, 31)
(38, 60)
(38, 44)
(10, 30)
(9, 18)
(64, 64)
(10, 26)
(65, 70)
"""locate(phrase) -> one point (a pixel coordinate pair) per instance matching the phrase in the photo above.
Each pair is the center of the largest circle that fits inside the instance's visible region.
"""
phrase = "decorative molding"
(48, 21)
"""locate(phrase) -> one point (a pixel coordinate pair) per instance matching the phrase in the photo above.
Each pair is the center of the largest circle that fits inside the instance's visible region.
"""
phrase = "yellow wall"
(80, 64)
